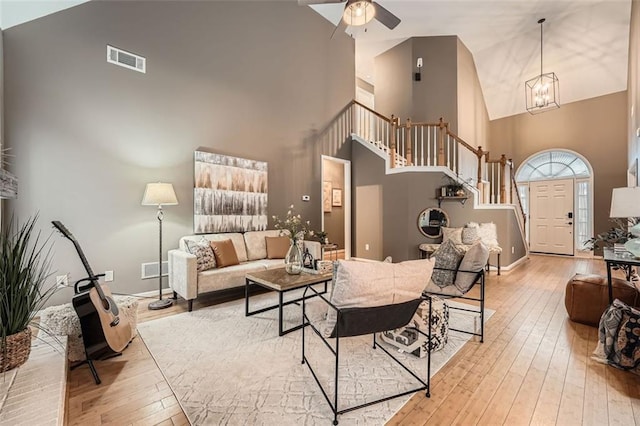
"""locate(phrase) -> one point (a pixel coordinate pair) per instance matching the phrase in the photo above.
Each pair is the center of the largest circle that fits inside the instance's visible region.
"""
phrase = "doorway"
(551, 212)
(336, 202)
(558, 165)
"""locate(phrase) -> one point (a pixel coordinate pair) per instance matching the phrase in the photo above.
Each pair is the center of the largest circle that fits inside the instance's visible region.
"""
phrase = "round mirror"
(431, 220)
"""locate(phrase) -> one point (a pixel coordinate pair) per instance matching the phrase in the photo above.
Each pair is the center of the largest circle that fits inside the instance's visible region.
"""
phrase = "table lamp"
(625, 203)
(159, 194)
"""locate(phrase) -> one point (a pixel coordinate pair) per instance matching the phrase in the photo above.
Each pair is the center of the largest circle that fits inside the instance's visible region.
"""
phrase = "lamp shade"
(358, 12)
(625, 202)
(159, 194)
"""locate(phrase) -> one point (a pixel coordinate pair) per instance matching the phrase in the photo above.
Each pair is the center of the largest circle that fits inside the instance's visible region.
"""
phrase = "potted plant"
(25, 263)
(619, 234)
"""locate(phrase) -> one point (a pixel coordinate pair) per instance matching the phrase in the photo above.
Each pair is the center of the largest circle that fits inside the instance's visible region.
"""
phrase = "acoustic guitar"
(104, 332)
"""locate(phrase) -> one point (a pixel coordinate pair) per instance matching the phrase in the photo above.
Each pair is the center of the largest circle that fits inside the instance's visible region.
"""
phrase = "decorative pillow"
(225, 253)
(448, 257)
(204, 254)
(470, 236)
(472, 225)
(474, 260)
(277, 247)
(618, 334)
(488, 234)
(453, 234)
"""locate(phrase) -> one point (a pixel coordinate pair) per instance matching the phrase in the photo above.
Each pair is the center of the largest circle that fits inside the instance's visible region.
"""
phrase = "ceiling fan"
(360, 12)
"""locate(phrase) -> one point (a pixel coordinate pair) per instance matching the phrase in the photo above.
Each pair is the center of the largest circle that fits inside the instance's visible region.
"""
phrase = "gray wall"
(633, 87)
(333, 172)
(404, 196)
(259, 80)
(595, 128)
(449, 87)
(473, 118)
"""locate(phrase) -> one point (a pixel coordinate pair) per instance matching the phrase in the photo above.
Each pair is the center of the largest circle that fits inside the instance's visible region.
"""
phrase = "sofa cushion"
(235, 237)
(366, 284)
(225, 253)
(229, 277)
(255, 243)
(453, 234)
(474, 260)
(205, 258)
(448, 257)
(277, 247)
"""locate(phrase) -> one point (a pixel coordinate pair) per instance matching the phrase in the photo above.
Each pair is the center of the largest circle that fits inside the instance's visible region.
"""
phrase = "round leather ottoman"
(587, 297)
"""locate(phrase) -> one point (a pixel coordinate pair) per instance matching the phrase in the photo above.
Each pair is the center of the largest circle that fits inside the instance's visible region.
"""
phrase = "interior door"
(551, 213)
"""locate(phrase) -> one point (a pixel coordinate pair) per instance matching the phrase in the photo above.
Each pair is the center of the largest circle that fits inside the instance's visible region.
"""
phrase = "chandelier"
(543, 91)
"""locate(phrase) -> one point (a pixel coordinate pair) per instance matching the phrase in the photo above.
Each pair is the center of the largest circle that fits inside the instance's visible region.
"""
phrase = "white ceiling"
(585, 41)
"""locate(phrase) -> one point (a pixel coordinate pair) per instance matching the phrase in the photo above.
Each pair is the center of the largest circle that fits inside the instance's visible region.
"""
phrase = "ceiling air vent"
(126, 59)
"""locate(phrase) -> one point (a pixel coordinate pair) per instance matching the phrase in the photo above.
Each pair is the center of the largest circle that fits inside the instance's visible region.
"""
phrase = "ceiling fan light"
(358, 12)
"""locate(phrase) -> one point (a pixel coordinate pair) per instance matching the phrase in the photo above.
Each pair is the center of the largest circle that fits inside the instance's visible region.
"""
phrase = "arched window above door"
(549, 165)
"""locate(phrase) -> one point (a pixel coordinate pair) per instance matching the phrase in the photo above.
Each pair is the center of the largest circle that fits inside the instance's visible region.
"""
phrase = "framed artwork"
(229, 194)
(326, 196)
(336, 198)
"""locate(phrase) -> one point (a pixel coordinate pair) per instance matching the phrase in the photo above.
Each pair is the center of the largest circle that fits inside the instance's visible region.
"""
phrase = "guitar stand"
(92, 367)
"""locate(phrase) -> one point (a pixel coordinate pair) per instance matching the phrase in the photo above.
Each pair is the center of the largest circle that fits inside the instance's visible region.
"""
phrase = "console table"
(624, 261)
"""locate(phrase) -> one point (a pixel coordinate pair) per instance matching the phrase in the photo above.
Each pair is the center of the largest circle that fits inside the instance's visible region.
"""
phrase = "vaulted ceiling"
(585, 41)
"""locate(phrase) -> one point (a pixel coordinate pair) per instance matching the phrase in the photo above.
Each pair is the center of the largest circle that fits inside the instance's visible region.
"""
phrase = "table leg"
(246, 297)
(280, 312)
(609, 283)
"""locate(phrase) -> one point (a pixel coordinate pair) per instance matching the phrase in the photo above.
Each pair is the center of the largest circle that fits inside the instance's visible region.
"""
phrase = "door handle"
(570, 223)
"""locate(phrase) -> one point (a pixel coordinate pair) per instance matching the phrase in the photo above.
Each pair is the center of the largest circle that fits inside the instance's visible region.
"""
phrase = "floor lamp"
(159, 194)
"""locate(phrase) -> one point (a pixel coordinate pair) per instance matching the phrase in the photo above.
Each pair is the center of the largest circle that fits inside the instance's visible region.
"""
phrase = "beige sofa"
(188, 283)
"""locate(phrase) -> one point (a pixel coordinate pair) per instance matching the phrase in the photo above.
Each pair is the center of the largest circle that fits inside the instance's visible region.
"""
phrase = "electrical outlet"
(108, 276)
(366, 247)
(513, 250)
(62, 280)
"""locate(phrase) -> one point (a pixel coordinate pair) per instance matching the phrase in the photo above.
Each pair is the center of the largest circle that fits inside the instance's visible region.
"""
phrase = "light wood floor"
(534, 367)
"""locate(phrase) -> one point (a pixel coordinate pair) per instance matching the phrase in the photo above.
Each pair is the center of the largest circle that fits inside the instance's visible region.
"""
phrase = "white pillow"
(488, 234)
(453, 234)
(366, 284)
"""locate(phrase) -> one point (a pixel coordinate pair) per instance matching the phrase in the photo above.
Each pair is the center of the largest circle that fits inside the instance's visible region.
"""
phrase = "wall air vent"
(150, 270)
(126, 59)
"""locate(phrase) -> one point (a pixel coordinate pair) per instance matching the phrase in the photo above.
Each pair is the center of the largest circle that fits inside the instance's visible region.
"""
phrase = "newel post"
(392, 141)
(479, 154)
(441, 133)
(503, 165)
(408, 145)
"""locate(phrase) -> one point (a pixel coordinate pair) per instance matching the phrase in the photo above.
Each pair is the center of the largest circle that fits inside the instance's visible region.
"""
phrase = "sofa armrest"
(183, 274)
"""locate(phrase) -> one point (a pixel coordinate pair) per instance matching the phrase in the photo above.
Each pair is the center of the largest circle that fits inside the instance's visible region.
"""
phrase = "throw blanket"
(619, 337)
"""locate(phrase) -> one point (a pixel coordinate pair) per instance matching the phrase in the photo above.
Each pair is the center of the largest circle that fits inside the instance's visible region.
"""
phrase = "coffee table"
(279, 280)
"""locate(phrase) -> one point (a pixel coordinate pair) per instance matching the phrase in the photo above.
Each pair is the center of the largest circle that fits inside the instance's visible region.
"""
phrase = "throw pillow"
(474, 260)
(277, 247)
(470, 236)
(225, 253)
(447, 257)
(453, 234)
(488, 234)
(203, 252)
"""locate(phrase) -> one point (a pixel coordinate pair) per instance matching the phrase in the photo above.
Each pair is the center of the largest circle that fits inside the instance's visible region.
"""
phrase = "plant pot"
(17, 350)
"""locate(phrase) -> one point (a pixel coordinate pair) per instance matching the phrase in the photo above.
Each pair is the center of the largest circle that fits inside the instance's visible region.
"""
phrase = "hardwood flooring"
(534, 367)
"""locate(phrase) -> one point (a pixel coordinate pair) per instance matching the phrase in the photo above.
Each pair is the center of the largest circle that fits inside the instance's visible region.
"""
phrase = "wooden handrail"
(377, 114)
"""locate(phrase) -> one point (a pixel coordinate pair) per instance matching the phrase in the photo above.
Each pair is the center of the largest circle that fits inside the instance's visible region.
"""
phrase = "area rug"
(228, 369)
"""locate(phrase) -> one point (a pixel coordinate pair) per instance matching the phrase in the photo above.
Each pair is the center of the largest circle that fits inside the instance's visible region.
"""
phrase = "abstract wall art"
(230, 194)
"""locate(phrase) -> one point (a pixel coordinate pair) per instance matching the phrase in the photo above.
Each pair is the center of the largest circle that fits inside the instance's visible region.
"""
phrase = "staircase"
(416, 146)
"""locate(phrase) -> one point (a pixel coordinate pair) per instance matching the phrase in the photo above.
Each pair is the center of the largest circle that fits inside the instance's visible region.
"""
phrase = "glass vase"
(293, 259)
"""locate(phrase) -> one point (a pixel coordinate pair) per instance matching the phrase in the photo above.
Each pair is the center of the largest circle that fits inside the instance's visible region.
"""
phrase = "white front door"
(551, 215)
